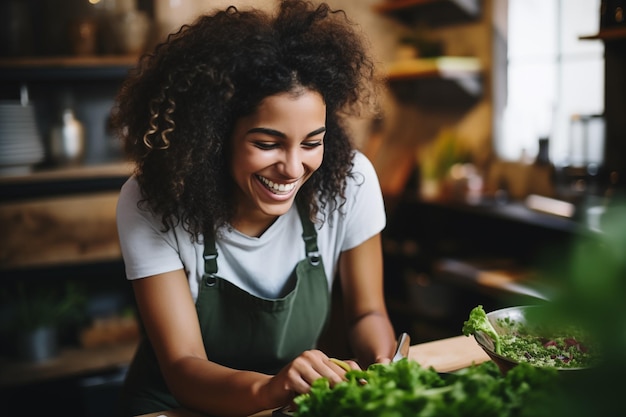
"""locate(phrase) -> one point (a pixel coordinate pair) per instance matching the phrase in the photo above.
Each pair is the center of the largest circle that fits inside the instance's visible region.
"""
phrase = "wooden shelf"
(493, 276)
(69, 61)
(431, 12)
(66, 67)
(439, 67)
(61, 217)
(608, 34)
(116, 169)
(61, 230)
(65, 181)
(70, 362)
(443, 81)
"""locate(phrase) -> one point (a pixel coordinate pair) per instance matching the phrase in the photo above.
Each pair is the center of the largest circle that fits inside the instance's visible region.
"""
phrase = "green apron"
(240, 330)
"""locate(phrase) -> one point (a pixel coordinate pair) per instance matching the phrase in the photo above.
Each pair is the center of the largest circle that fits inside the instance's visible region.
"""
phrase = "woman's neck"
(253, 226)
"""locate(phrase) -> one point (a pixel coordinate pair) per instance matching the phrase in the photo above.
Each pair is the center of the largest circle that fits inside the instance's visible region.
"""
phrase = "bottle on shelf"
(67, 140)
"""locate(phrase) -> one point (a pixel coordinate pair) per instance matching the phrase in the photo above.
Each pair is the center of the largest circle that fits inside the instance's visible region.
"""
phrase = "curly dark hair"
(176, 111)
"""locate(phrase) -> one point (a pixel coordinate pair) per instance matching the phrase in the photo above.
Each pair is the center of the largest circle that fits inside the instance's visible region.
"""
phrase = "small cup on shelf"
(83, 36)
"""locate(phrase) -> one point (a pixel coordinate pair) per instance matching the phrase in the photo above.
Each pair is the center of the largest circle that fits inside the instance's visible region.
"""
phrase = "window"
(552, 78)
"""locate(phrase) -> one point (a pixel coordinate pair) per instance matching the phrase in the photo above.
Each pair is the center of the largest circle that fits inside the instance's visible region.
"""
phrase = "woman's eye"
(313, 144)
(266, 145)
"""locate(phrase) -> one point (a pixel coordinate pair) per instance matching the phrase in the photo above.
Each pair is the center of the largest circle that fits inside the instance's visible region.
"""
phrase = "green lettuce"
(405, 388)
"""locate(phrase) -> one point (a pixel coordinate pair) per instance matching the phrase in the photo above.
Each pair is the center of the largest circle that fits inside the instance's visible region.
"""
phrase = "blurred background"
(500, 149)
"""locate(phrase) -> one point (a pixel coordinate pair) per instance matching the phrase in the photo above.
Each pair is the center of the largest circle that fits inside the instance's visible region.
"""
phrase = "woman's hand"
(383, 359)
(297, 377)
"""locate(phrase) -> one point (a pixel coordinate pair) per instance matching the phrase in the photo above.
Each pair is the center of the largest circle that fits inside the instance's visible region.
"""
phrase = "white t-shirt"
(259, 265)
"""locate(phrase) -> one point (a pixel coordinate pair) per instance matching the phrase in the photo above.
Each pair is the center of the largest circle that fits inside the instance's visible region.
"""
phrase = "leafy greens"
(405, 388)
(479, 322)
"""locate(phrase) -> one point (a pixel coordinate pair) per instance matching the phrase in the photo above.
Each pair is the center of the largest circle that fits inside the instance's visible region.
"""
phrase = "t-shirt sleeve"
(365, 216)
(146, 249)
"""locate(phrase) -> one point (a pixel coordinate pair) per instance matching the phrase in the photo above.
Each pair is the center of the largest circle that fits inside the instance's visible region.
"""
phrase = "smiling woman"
(248, 199)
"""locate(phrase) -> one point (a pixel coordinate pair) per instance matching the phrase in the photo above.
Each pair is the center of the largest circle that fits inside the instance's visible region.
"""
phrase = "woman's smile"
(277, 188)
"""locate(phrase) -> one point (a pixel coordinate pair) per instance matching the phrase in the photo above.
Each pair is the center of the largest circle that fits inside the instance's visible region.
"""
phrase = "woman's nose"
(292, 164)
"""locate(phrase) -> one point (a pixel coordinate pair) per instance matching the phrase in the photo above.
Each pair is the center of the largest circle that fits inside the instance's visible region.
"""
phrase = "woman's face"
(275, 150)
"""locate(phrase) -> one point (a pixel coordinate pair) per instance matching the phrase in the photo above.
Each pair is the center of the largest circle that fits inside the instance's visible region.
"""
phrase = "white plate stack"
(21, 146)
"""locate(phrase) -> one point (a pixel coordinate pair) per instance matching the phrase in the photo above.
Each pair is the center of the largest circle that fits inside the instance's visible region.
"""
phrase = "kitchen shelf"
(455, 229)
(493, 277)
(52, 68)
(70, 362)
(115, 169)
(60, 218)
(516, 212)
(63, 181)
(439, 67)
(432, 12)
(60, 230)
(443, 81)
(608, 34)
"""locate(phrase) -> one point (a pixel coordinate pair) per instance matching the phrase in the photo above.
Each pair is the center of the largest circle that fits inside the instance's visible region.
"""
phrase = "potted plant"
(37, 317)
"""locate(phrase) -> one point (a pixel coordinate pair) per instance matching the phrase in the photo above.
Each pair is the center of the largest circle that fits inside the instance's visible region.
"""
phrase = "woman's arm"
(370, 332)
(171, 322)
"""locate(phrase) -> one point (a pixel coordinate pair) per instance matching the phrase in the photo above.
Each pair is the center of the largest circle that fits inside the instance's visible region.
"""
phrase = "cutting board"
(450, 354)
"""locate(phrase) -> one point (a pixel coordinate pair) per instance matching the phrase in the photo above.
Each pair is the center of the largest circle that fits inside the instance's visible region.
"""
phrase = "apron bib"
(240, 330)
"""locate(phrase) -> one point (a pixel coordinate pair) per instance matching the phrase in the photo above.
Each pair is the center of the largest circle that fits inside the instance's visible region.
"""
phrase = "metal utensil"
(402, 349)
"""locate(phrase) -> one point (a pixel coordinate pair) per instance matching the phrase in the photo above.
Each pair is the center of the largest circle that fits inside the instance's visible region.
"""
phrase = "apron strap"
(309, 234)
(210, 256)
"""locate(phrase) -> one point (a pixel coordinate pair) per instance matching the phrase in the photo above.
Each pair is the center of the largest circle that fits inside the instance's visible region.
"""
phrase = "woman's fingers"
(353, 365)
(342, 364)
(312, 365)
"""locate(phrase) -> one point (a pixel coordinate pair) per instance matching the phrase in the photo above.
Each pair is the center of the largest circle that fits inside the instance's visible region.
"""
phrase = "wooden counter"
(443, 355)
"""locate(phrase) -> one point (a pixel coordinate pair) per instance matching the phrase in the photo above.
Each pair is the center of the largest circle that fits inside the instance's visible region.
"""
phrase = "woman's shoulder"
(130, 186)
(130, 196)
(130, 192)
(362, 169)
(360, 161)
(359, 158)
